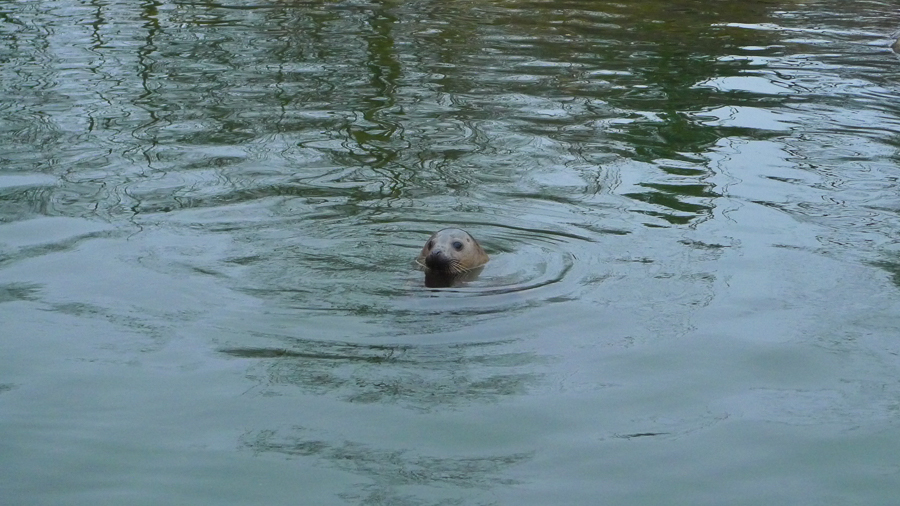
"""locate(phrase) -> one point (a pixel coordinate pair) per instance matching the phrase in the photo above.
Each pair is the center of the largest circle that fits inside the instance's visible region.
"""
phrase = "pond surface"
(209, 214)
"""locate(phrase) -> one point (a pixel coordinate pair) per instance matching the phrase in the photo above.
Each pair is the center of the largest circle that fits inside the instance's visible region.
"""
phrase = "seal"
(449, 254)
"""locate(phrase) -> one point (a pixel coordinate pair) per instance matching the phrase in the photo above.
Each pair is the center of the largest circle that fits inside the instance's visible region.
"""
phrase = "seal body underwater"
(451, 255)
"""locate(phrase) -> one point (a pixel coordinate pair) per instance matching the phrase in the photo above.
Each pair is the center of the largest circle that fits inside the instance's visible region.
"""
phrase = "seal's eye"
(457, 245)
(429, 245)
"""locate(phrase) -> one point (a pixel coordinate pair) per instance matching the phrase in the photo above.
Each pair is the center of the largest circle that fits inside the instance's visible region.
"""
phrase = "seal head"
(450, 252)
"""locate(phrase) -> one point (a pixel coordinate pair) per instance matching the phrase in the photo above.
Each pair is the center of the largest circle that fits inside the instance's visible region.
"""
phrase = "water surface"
(209, 214)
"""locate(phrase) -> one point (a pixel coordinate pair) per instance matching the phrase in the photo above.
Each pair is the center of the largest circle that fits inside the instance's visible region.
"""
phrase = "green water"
(209, 214)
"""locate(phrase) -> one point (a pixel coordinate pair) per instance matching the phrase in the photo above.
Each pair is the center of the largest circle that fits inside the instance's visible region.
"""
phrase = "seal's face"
(452, 251)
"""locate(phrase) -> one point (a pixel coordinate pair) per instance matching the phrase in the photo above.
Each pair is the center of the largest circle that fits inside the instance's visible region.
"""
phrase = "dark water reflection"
(209, 213)
(420, 377)
(390, 470)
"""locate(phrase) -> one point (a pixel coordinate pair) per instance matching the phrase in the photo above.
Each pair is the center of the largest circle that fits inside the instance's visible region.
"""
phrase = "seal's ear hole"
(430, 245)
(457, 245)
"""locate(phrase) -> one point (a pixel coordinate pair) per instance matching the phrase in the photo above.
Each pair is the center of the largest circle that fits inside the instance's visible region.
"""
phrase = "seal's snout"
(436, 260)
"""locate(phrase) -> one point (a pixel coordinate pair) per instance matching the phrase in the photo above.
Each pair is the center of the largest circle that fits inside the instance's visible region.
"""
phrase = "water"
(209, 214)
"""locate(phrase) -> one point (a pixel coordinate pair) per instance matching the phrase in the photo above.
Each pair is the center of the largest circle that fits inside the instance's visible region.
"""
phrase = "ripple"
(39, 236)
(521, 261)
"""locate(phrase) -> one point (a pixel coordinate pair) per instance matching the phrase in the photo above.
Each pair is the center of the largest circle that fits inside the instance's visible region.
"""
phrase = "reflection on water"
(209, 214)
(389, 470)
(420, 377)
(415, 109)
